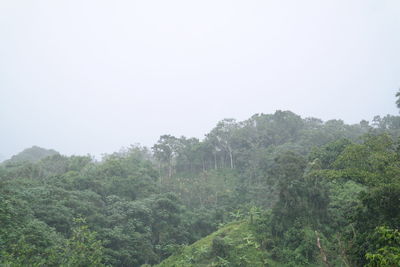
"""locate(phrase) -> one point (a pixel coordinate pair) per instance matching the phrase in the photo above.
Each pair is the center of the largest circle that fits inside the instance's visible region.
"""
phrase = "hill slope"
(33, 154)
(232, 245)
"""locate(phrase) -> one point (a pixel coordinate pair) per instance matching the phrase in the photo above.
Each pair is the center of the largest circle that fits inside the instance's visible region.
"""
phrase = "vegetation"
(273, 190)
(232, 245)
(32, 154)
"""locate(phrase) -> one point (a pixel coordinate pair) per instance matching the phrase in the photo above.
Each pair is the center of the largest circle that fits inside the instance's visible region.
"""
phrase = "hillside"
(232, 245)
(165, 206)
(32, 154)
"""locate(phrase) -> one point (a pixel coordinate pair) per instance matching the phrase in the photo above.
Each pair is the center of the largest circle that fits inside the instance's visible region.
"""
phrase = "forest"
(273, 190)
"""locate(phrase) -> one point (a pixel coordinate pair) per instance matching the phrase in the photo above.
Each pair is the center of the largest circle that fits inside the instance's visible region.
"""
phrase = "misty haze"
(200, 133)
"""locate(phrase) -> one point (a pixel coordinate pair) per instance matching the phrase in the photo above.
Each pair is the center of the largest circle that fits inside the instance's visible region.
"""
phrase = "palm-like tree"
(398, 99)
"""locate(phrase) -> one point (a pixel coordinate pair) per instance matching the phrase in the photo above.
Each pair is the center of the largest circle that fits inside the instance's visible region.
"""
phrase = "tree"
(82, 249)
(398, 99)
(386, 248)
(222, 139)
(166, 151)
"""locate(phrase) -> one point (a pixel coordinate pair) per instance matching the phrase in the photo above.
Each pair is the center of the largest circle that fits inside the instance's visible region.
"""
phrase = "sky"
(93, 76)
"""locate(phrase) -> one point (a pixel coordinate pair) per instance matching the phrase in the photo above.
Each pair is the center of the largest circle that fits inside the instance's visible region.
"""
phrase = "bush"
(220, 247)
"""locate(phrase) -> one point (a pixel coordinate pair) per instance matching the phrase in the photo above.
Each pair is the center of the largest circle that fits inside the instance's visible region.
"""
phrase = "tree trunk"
(231, 157)
(323, 254)
(170, 169)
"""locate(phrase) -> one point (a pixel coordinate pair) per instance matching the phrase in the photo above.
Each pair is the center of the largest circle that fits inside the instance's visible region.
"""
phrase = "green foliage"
(82, 249)
(220, 247)
(386, 248)
(32, 154)
(269, 182)
(30, 246)
(232, 245)
(325, 156)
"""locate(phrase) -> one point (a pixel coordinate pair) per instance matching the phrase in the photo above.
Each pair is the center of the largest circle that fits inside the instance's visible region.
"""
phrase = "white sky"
(93, 76)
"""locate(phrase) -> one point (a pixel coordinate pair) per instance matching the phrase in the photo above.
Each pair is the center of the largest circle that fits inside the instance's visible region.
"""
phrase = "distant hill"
(32, 154)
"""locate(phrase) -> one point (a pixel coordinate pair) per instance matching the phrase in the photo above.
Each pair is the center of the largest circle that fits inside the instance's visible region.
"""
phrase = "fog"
(93, 76)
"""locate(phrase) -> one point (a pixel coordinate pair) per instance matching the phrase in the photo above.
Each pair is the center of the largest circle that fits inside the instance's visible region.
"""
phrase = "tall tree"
(166, 151)
(398, 99)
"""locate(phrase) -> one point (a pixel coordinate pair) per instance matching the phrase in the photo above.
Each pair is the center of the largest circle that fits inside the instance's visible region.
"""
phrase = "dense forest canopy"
(299, 191)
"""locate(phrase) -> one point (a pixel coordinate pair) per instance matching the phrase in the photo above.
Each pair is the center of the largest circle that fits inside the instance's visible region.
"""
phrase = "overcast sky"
(94, 76)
